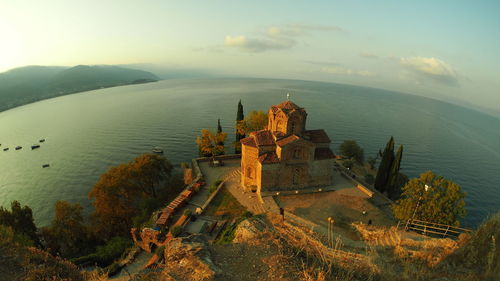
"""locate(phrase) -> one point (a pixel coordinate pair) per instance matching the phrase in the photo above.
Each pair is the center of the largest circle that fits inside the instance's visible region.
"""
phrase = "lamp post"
(426, 188)
(330, 231)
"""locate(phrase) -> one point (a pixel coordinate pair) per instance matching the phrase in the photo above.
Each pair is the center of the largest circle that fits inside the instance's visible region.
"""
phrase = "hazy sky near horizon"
(443, 49)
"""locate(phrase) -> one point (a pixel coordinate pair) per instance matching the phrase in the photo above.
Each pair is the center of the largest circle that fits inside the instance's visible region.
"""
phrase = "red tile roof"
(269, 158)
(248, 141)
(323, 153)
(278, 134)
(287, 140)
(263, 137)
(317, 136)
(286, 106)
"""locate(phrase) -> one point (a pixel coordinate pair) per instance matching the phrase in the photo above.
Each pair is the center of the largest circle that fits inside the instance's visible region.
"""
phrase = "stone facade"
(286, 156)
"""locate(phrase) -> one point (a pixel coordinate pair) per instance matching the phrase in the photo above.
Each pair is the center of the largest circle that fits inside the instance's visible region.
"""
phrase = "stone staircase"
(236, 173)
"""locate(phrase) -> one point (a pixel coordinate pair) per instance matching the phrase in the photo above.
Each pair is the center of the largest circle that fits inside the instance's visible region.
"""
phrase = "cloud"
(346, 71)
(277, 37)
(258, 45)
(430, 69)
(368, 55)
(323, 63)
(299, 29)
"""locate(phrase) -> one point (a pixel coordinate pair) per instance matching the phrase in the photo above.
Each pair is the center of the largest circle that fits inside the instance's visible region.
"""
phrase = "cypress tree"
(219, 131)
(385, 166)
(219, 127)
(239, 117)
(393, 187)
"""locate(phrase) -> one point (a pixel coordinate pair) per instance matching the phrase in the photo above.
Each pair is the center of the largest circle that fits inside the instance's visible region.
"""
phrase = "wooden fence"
(435, 229)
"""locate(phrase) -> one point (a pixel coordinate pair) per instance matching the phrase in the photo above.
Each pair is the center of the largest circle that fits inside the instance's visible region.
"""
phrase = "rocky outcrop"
(248, 230)
(188, 258)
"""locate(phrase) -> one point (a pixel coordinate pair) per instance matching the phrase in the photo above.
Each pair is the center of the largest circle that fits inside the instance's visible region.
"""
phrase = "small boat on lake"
(35, 146)
(19, 147)
(6, 149)
(45, 165)
(42, 140)
(157, 150)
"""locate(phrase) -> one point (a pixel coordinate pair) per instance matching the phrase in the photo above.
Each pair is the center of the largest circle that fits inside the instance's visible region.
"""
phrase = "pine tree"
(384, 168)
(393, 188)
(239, 118)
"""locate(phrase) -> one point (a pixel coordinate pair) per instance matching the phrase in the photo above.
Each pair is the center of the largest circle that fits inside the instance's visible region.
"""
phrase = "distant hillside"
(32, 83)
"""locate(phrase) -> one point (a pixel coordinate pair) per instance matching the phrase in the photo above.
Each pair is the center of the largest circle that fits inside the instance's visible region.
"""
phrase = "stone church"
(286, 156)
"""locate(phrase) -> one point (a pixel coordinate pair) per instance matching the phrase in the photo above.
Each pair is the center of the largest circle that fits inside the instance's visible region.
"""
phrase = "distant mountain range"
(33, 83)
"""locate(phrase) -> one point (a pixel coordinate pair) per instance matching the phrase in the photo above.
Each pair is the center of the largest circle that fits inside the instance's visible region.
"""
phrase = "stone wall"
(149, 238)
(249, 169)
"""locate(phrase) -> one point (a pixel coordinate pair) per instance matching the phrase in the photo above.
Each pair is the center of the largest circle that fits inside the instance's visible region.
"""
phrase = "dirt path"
(133, 268)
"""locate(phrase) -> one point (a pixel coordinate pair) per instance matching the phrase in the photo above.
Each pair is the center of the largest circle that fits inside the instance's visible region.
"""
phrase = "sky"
(448, 50)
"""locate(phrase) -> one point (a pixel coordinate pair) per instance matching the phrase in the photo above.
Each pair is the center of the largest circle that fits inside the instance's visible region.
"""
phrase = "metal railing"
(431, 228)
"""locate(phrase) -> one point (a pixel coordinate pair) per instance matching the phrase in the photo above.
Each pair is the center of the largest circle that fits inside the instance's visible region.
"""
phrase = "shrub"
(351, 149)
(106, 254)
(348, 163)
(187, 212)
(228, 233)
(176, 230)
(214, 186)
(247, 214)
(159, 251)
(369, 179)
(113, 269)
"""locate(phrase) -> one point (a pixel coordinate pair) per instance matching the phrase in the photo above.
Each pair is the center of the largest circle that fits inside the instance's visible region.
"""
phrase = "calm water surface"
(89, 132)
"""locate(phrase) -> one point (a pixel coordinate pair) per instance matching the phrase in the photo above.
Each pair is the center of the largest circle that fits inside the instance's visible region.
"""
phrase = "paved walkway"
(248, 199)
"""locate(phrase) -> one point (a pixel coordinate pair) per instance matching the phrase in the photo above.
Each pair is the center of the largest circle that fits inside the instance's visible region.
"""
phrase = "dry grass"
(481, 251)
(430, 250)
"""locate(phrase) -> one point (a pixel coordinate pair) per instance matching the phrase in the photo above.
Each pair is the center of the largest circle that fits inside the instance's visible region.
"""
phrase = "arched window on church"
(296, 175)
(250, 172)
(297, 153)
(292, 127)
(279, 126)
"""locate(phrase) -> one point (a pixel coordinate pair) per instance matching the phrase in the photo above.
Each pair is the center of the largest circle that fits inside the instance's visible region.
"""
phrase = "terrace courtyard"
(342, 201)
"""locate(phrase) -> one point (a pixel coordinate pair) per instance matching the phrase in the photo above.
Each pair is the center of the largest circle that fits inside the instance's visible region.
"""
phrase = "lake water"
(89, 132)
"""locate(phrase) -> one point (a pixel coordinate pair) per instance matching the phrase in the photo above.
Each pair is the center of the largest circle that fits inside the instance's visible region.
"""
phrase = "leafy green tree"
(384, 167)
(351, 149)
(67, 235)
(117, 193)
(148, 171)
(431, 198)
(115, 200)
(20, 219)
(257, 120)
(146, 207)
(209, 144)
(239, 118)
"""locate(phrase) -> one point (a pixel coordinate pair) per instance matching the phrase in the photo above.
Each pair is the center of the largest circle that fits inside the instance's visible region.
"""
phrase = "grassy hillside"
(32, 83)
